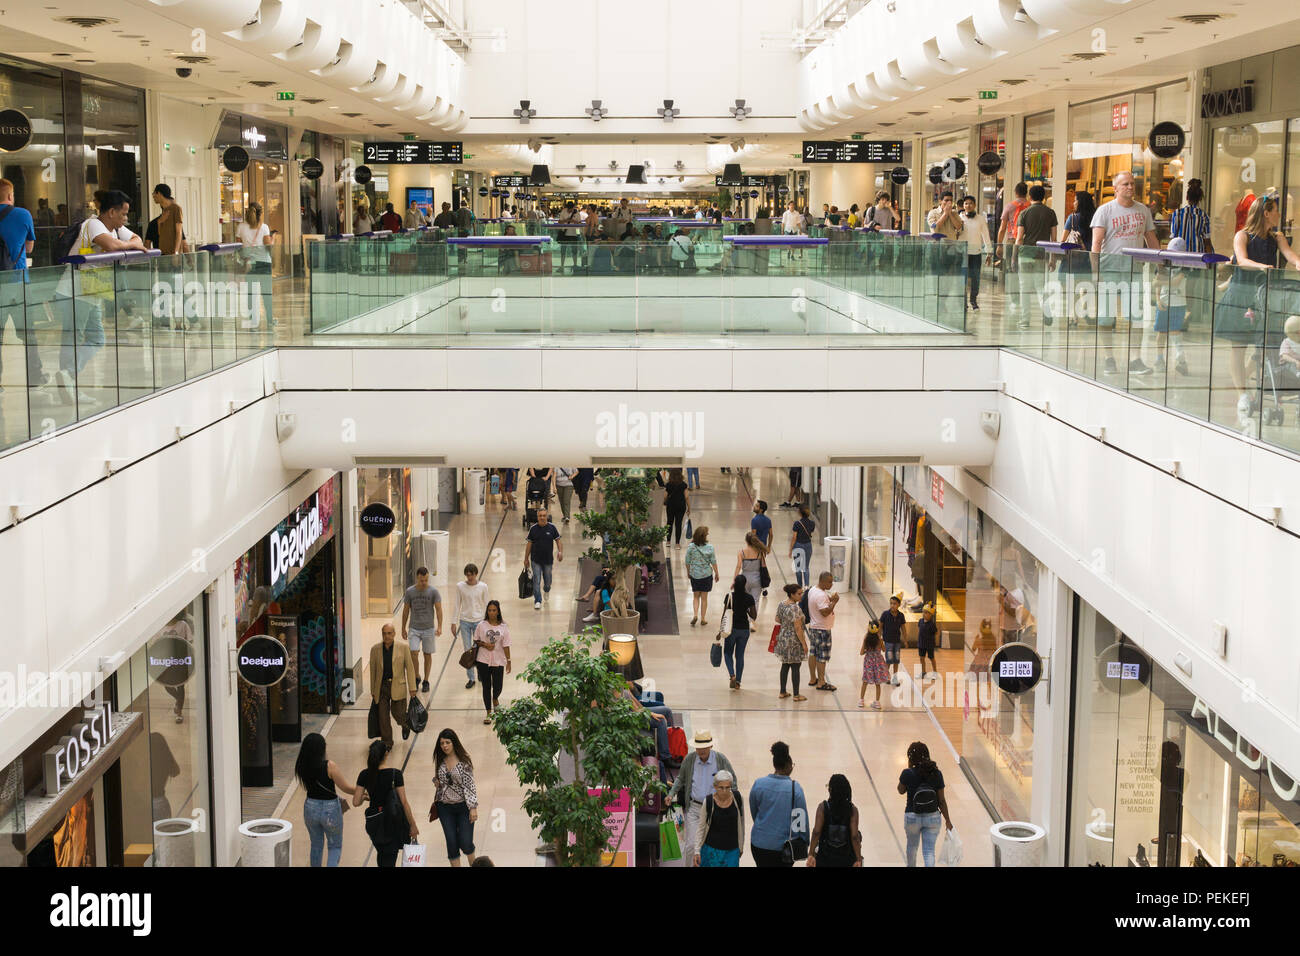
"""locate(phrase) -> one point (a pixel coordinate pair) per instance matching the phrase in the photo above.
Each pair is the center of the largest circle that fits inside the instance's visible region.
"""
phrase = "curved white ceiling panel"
(279, 25)
(921, 65)
(892, 81)
(995, 23)
(319, 44)
(217, 16)
(1056, 14)
(961, 47)
(806, 121)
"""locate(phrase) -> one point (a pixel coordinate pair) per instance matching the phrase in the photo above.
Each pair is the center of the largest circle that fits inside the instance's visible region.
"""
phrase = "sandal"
(862, 705)
(798, 697)
(703, 622)
(487, 720)
(828, 687)
(782, 696)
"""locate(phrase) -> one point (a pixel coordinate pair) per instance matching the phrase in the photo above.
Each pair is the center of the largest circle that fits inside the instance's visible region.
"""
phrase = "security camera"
(184, 72)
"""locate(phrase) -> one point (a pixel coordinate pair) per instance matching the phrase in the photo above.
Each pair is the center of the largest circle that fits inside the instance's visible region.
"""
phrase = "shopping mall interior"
(974, 326)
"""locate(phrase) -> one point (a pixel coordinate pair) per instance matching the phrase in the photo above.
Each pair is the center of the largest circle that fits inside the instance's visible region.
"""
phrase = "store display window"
(1040, 142)
(938, 152)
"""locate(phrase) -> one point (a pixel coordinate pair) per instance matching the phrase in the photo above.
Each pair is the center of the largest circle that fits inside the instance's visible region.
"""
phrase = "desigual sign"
(262, 661)
(170, 661)
(15, 130)
(75, 750)
(289, 546)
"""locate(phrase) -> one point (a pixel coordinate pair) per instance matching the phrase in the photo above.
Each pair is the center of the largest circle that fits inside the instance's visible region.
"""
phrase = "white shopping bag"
(950, 853)
(413, 854)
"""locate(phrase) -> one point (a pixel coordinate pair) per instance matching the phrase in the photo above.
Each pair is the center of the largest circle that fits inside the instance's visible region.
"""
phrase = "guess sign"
(15, 130)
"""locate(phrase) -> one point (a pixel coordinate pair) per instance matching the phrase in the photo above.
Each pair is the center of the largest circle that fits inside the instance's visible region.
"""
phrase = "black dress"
(835, 847)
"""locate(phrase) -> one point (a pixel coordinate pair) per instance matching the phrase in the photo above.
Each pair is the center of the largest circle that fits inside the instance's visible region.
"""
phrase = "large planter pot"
(612, 623)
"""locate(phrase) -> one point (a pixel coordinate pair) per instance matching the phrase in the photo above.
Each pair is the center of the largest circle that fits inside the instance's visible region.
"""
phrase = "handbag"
(776, 632)
(764, 576)
(724, 619)
(794, 848)
(525, 584)
(413, 854)
(469, 658)
(715, 654)
(372, 721)
(688, 528)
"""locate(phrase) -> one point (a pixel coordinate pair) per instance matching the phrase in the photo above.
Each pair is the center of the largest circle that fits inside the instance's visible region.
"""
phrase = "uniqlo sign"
(1119, 116)
(936, 489)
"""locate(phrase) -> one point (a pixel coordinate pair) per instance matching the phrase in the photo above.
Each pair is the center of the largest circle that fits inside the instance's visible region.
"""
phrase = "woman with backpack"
(322, 813)
(722, 827)
(836, 840)
(455, 800)
(389, 820)
(926, 807)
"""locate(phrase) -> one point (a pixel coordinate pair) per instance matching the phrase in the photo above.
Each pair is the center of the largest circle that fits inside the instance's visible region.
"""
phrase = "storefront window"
(993, 139)
(113, 120)
(1249, 161)
(1160, 779)
(938, 153)
(166, 791)
(264, 181)
(1040, 139)
(389, 562)
(38, 93)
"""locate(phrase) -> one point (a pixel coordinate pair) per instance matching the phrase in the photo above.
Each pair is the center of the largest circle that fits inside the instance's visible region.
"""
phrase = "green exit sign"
(988, 94)
(285, 95)
(466, 156)
(409, 137)
(856, 136)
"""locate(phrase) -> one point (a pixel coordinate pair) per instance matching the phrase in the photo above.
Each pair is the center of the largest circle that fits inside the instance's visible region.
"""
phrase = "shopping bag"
(417, 715)
(525, 584)
(372, 721)
(776, 632)
(688, 528)
(413, 854)
(950, 853)
(715, 654)
(670, 847)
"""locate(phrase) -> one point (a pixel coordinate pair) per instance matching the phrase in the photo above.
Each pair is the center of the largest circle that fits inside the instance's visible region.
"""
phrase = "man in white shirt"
(975, 230)
(571, 217)
(791, 220)
(564, 488)
(682, 248)
(821, 618)
(1122, 223)
(471, 606)
(622, 215)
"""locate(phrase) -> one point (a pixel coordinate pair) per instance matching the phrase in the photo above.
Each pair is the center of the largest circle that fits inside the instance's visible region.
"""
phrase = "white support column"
(1015, 155)
(1197, 129)
(1060, 151)
(1051, 747)
(353, 601)
(918, 188)
(820, 188)
(223, 694)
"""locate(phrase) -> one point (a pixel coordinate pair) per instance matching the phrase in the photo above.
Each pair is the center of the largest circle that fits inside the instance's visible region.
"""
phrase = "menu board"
(427, 154)
(853, 151)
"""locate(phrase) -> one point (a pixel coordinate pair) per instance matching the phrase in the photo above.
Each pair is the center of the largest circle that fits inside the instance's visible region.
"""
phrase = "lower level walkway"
(827, 734)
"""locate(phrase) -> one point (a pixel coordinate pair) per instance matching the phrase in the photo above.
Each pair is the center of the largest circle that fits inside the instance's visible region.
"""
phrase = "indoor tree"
(624, 527)
(576, 710)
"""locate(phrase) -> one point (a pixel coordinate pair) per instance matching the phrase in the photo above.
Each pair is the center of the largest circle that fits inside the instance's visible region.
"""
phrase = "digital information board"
(425, 154)
(751, 182)
(511, 182)
(855, 151)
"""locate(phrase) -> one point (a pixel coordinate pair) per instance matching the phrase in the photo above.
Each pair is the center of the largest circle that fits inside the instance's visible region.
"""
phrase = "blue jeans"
(922, 828)
(692, 477)
(467, 629)
(456, 827)
(83, 333)
(541, 571)
(735, 644)
(711, 857)
(324, 818)
(802, 563)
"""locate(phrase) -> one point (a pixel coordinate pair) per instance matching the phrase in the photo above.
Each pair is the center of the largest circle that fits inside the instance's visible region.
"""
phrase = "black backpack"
(66, 241)
(6, 260)
(836, 835)
(385, 820)
(925, 799)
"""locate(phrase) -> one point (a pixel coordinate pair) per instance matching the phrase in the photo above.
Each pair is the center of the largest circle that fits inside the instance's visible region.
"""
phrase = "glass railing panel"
(1241, 321)
(91, 338)
(20, 368)
(1279, 412)
(1073, 304)
(143, 339)
(51, 360)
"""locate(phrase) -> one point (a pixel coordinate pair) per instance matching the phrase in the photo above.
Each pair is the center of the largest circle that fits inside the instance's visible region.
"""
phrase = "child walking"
(874, 670)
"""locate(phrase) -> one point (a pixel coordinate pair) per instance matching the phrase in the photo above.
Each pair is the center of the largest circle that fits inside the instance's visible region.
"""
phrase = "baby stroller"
(536, 496)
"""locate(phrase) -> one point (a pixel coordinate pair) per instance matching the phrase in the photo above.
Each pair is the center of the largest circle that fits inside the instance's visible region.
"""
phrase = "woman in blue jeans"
(801, 546)
(322, 814)
(926, 807)
(743, 611)
(455, 799)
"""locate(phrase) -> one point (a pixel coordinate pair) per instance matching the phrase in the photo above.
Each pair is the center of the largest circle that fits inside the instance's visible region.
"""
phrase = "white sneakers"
(591, 619)
(537, 605)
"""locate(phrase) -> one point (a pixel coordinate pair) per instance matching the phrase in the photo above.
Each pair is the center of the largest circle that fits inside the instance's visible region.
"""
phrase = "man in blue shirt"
(761, 525)
(18, 234)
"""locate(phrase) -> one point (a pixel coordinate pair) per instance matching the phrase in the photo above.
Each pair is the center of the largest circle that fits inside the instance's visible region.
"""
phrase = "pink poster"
(622, 829)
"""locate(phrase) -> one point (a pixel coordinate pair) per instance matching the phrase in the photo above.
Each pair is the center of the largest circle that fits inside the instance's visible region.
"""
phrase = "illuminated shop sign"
(1203, 718)
(75, 751)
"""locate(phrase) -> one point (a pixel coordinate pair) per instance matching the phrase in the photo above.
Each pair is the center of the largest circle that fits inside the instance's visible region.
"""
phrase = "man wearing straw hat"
(695, 782)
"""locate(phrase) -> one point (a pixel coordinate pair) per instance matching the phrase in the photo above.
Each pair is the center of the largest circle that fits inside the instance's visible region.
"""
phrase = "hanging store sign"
(313, 168)
(1218, 103)
(988, 163)
(170, 661)
(954, 169)
(378, 520)
(15, 130)
(1119, 117)
(262, 661)
(362, 175)
(235, 159)
(290, 542)
(1241, 141)
(899, 175)
(1166, 140)
(1016, 668)
(77, 749)
(483, 191)
(1122, 668)
(935, 175)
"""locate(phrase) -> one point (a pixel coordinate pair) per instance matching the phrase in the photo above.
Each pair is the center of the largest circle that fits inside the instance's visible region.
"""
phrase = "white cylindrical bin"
(173, 841)
(1016, 843)
(266, 842)
(838, 550)
(476, 490)
(435, 551)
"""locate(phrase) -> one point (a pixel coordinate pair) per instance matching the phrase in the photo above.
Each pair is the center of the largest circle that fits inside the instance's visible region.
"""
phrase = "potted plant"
(576, 745)
(624, 528)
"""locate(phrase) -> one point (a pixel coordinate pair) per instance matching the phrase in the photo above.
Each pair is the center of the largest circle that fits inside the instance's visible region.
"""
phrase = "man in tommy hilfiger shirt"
(1123, 223)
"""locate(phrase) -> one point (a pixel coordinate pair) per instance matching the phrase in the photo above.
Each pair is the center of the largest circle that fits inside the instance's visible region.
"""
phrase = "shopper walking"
(322, 812)
(677, 504)
(492, 638)
(892, 623)
(695, 782)
(470, 603)
(801, 545)
(693, 479)
(509, 482)
(836, 840)
(564, 489)
(975, 230)
(1117, 225)
(750, 561)
(791, 642)
(722, 833)
(422, 610)
(702, 569)
(874, 671)
(779, 812)
(389, 820)
(541, 550)
(582, 485)
(926, 806)
(392, 681)
(455, 798)
(796, 488)
(821, 619)
(927, 639)
(743, 611)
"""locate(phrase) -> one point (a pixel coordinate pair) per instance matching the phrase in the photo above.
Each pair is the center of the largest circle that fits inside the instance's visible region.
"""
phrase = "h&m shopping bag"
(413, 854)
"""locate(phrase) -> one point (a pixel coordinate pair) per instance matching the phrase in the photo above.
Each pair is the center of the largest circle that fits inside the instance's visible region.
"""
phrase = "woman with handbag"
(722, 828)
(751, 561)
(791, 642)
(779, 835)
(702, 569)
(492, 656)
(455, 799)
(389, 820)
(742, 609)
(322, 813)
(801, 542)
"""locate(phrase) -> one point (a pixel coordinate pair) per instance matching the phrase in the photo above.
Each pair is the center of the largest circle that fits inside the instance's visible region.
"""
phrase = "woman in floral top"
(791, 642)
(455, 801)
(702, 567)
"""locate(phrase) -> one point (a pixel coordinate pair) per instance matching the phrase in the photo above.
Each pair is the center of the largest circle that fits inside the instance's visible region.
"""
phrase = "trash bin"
(476, 490)
(173, 841)
(1016, 843)
(435, 551)
(266, 842)
(838, 549)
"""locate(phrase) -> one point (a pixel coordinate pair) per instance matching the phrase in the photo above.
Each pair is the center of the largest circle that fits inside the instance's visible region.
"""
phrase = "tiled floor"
(827, 734)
